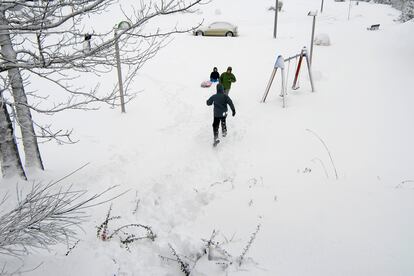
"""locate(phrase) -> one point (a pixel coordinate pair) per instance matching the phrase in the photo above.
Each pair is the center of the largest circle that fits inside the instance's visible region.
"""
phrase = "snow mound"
(322, 40)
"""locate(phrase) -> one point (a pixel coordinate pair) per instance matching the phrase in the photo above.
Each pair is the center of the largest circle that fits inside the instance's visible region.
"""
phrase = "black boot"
(216, 124)
(223, 127)
(216, 140)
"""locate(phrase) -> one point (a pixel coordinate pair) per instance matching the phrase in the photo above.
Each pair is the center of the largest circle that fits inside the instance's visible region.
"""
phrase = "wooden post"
(278, 64)
(122, 26)
(276, 12)
(283, 87)
(118, 67)
(313, 14)
(269, 84)
(309, 70)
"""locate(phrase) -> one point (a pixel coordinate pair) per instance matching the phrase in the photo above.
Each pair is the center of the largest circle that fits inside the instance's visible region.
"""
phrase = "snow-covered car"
(217, 29)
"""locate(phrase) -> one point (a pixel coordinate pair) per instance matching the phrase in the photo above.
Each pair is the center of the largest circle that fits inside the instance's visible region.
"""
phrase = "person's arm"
(233, 78)
(210, 100)
(230, 103)
(221, 78)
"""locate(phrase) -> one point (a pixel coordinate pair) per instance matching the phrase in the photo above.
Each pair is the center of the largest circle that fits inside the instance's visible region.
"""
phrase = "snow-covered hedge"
(405, 6)
(407, 11)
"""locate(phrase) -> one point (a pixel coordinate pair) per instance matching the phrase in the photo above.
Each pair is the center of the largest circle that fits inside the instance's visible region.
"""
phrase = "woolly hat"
(220, 88)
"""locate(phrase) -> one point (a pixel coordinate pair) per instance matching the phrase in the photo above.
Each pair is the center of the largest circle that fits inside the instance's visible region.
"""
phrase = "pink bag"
(206, 84)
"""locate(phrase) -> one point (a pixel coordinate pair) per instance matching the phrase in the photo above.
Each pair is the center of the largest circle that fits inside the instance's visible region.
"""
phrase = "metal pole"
(276, 12)
(269, 84)
(292, 57)
(283, 87)
(310, 72)
(118, 67)
(322, 6)
(313, 33)
(349, 10)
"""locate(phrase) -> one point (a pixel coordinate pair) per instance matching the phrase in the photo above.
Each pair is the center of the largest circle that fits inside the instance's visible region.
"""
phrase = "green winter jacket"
(226, 79)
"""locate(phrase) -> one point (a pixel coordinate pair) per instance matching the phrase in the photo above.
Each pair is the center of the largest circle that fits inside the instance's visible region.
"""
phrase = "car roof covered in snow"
(222, 23)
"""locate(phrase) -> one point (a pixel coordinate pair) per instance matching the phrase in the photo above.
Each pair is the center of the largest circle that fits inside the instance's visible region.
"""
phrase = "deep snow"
(269, 170)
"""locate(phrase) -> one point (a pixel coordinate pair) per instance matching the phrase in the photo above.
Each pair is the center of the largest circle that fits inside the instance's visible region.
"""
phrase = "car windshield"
(220, 25)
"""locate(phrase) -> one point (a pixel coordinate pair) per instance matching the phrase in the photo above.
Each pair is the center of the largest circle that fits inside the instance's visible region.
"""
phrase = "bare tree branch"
(46, 215)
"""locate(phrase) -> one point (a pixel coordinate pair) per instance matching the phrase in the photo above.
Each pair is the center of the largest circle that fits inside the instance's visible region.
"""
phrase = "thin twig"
(326, 147)
(322, 164)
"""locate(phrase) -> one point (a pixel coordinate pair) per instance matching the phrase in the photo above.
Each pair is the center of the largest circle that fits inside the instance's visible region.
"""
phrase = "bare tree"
(24, 116)
(10, 158)
(47, 39)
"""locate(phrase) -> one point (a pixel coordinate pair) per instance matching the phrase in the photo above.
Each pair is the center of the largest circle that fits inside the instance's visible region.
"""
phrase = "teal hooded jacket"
(220, 101)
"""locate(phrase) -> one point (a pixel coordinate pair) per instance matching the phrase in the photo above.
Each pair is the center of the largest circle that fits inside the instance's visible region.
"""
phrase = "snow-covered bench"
(373, 27)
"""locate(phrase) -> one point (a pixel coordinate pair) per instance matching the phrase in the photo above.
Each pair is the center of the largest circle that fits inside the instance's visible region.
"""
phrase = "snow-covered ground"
(272, 169)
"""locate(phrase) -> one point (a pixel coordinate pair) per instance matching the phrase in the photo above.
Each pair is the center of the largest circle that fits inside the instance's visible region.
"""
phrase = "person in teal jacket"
(220, 102)
(226, 79)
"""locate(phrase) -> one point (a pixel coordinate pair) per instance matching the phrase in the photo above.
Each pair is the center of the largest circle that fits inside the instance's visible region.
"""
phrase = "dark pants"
(216, 124)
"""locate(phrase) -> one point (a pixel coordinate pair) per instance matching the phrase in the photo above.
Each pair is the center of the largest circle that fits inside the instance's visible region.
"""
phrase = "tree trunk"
(23, 114)
(24, 117)
(10, 159)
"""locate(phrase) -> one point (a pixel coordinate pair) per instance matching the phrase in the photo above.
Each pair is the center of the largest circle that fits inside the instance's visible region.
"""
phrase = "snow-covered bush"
(407, 11)
(212, 257)
(45, 216)
(379, 1)
(322, 40)
(398, 4)
(127, 233)
(405, 6)
(383, 1)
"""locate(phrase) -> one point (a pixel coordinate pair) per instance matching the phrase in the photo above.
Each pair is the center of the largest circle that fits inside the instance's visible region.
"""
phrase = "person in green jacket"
(226, 79)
